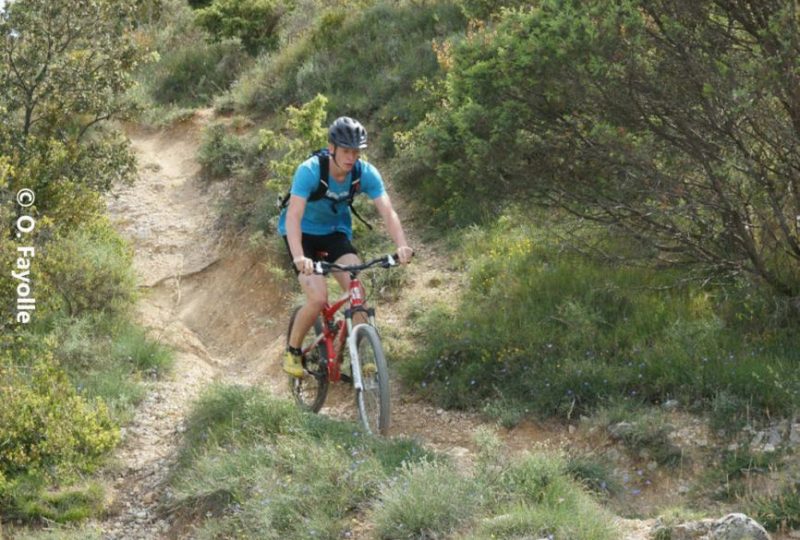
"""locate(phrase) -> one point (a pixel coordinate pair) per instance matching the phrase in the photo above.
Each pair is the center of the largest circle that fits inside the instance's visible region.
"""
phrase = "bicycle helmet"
(347, 133)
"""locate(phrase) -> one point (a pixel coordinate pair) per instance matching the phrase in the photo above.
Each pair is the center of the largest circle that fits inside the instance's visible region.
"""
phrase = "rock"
(670, 405)
(571, 429)
(693, 530)
(738, 527)
(730, 527)
(775, 436)
(794, 435)
(620, 430)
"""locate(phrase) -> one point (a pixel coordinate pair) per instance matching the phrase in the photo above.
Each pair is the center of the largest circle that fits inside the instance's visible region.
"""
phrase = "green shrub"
(253, 22)
(426, 500)
(50, 434)
(193, 73)
(46, 424)
(366, 61)
(90, 270)
(220, 152)
(567, 332)
(780, 512)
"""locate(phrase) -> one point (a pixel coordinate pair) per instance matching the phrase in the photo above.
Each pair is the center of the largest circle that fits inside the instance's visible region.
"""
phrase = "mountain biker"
(310, 227)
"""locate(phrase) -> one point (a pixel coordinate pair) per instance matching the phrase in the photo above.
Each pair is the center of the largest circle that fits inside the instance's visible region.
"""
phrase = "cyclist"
(325, 225)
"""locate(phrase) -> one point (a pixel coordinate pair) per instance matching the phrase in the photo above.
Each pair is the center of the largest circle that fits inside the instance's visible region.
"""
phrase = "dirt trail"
(218, 305)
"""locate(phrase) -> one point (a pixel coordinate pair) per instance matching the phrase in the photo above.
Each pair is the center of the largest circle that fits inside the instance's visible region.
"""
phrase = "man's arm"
(294, 235)
(393, 225)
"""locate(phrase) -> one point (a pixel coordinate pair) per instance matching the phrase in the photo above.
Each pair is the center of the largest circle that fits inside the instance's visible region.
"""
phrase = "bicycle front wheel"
(373, 400)
(310, 391)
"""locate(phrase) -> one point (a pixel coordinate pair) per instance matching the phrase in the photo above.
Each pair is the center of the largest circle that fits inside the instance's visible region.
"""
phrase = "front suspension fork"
(355, 361)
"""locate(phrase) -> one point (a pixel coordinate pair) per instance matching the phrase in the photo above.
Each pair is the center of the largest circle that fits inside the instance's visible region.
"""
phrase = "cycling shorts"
(327, 247)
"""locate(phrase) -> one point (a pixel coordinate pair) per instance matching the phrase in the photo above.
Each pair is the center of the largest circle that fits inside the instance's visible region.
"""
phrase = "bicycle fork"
(355, 361)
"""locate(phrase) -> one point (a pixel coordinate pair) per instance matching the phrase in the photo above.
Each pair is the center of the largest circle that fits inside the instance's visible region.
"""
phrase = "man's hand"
(304, 265)
(404, 253)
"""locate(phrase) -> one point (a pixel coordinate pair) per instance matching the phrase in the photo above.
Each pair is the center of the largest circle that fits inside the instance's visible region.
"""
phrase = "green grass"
(780, 511)
(366, 61)
(544, 329)
(263, 469)
(109, 358)
(733, 473)
(95, 365)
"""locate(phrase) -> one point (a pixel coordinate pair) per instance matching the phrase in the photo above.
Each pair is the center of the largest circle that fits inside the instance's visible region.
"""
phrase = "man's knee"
(317, 302)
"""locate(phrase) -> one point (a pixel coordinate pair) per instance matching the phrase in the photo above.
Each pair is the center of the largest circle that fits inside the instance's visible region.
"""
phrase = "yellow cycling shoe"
(293, 364)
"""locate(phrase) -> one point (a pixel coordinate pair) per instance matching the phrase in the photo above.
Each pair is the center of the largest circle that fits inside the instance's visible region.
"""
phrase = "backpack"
(322, 188)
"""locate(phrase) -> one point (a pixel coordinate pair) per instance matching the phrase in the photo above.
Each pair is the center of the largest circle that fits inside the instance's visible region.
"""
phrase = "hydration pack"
(323, 191)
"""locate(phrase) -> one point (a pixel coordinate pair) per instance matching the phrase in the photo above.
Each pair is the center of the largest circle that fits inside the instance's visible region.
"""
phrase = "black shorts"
(327, 247)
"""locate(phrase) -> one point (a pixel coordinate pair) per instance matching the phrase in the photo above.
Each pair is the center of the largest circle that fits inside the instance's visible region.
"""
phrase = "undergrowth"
(544, 330)
(264, 469)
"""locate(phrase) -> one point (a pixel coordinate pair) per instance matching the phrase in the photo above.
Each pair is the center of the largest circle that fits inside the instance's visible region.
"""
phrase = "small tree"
(69, 60)
(675, 121)
(254, 22)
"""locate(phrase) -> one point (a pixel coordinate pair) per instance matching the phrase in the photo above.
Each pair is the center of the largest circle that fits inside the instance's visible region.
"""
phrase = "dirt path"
(222, 310)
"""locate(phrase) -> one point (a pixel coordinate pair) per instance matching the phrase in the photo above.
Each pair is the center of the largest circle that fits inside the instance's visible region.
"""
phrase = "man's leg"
(316, 290)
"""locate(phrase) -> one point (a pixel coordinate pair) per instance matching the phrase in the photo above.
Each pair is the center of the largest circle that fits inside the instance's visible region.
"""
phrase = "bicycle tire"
(310, 391)
(372, 402)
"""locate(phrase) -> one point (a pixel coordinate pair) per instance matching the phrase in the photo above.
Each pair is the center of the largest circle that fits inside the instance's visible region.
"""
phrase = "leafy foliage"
(49, 431)
(308, 134)
(69, 57)
(90, 269)
(568, 332)
(668, 120)
(254, 22)
(192, 73)
(365, 61)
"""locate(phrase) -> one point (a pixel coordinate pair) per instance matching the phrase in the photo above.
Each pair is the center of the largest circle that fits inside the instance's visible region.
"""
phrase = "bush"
(254, 22)
(90, 270)
(46, 425)
(567, 332)
(192, 74)
(50, 433)
(426, 500)
(221, 153)
(365, 61)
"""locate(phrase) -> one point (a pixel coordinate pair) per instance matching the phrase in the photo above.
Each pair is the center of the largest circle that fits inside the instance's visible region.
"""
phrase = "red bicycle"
(323, 352)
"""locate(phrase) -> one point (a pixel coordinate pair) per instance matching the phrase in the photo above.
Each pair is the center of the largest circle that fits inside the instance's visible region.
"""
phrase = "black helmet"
(347, 133)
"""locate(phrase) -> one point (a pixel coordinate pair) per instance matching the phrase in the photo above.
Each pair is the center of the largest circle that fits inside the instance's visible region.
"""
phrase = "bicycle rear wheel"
(310, 391)
(373, 401)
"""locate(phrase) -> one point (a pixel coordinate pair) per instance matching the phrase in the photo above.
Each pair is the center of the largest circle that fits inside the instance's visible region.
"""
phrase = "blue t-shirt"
(319, 217)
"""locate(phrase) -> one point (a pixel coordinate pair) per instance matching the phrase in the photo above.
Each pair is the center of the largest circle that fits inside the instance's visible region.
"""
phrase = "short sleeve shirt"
(325, 216)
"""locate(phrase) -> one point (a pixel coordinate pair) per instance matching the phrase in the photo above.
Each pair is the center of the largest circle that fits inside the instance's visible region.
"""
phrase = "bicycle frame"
(336, 332)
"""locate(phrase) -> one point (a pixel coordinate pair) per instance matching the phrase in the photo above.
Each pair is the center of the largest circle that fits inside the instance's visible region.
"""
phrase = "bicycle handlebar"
(324, 267)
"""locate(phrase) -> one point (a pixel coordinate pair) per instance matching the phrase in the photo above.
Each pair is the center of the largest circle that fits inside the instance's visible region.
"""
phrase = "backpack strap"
(324, 169)
(355, 187)
(322, 188)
